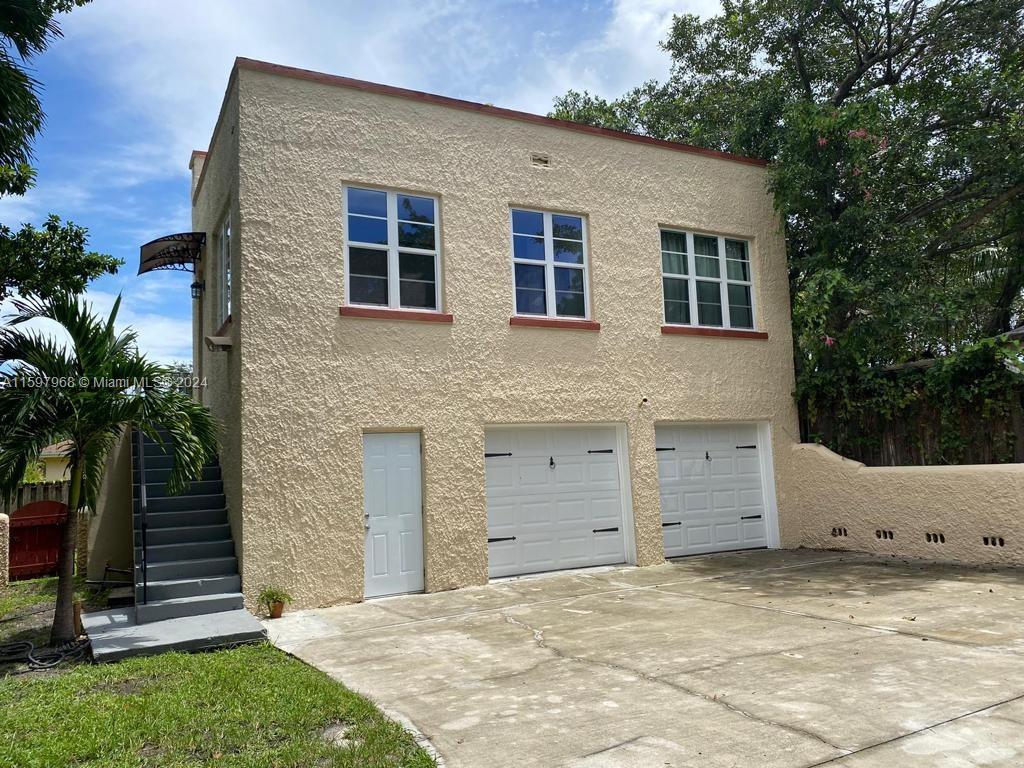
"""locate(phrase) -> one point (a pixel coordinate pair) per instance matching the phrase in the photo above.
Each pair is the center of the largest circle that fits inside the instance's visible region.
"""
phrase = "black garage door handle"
(751, 517)
(491, 455)
(664, 449)
(745, 446)
(504, 538)
(605, 530)
(602, 450)
(669, 525)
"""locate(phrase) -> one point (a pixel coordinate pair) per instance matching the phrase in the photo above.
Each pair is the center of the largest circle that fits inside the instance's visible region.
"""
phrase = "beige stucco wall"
(220, 368)
(110, 529)
(963, 503)
(313, 382)
(55, 469)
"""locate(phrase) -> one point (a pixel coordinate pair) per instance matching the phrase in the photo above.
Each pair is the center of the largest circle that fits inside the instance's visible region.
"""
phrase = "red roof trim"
(487, 109)
(682, 330)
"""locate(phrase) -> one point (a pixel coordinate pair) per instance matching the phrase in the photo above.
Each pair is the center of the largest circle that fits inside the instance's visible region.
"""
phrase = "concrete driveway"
(781, 658)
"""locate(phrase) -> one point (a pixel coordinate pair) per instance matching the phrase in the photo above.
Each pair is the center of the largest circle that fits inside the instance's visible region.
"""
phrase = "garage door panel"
(533, 513)
(571, 511)
(723, 501)
(534, 475)
(568, 475)
(552, 511)
(605, 509)
(748, 466)
(697, 535)
(602, 472)
(727, 534)
(695, 503)
(710, 498)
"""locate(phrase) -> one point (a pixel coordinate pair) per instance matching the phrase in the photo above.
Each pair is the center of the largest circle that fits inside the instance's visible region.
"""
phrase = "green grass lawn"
(20, 596)
(249, 706)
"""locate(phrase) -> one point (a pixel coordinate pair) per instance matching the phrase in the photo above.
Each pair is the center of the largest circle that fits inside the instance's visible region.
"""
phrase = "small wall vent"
(538, 160)
(883, 534)
(840, 532)
(994, 541)
(935, 538)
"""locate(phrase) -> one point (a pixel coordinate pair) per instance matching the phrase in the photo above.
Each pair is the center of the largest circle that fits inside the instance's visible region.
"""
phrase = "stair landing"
(116, 635)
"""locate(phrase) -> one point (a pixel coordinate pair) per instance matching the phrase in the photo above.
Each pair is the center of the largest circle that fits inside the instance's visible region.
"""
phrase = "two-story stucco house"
(448, 341)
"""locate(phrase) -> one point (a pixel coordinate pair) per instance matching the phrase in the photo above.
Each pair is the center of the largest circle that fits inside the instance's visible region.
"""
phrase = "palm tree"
(86, 393)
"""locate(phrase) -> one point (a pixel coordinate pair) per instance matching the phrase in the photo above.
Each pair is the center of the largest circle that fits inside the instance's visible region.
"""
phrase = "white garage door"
(712, 499)
(553, 499)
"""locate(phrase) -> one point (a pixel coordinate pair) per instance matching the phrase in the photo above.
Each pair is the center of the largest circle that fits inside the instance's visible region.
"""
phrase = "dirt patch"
(336, 733)
(129, 687)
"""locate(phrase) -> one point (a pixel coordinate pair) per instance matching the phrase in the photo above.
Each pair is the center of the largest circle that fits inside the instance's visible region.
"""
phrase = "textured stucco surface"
(963, 503)
(311, 382)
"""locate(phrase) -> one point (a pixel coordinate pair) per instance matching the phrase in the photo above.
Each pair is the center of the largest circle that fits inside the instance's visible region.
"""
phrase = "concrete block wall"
(966, 513)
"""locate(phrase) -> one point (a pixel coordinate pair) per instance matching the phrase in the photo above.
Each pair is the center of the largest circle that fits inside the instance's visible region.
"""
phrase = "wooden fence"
(29, 492)
(52, 491)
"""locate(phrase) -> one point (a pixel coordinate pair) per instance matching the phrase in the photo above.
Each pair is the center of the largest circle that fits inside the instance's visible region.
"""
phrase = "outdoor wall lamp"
(197, 289)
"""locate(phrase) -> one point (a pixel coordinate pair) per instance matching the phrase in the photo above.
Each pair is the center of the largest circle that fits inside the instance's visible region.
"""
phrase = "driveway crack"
(541, 642)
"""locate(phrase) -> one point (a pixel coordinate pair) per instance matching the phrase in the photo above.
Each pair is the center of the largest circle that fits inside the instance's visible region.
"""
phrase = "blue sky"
(135, 86)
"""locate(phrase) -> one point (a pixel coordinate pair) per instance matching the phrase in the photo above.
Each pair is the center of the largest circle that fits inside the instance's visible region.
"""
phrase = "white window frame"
(550, 264)
(723, 280)
(392, 249)
(224, 269)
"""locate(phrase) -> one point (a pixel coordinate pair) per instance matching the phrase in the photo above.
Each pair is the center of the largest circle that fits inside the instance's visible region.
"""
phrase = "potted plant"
(274, 599)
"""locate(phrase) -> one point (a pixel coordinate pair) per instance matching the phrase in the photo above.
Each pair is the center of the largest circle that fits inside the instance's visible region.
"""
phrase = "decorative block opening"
(882, 533)
(538, 160)
(993, 541)
(935, 538)
(840, 532)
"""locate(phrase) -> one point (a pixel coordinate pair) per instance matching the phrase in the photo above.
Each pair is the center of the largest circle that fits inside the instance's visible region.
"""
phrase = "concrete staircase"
(191, 565)
(192, 598)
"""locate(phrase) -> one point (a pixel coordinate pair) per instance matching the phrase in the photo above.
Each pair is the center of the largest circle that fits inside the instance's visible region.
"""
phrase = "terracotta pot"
(276, 607)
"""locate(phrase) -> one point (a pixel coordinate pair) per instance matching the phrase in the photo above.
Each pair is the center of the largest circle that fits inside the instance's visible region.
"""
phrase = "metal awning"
(180, 251)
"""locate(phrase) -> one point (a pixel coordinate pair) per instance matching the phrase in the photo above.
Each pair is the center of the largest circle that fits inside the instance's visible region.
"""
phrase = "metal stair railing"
(141, 446)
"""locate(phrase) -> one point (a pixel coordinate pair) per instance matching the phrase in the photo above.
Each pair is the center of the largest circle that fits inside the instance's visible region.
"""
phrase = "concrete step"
(169, 589)
(182, 503)
(191, 517)
(195, 488)
(116, 634)
(161, 461)
(159, 474)
(184, 534)
(197, 605)
(190, 550)
(191, 568)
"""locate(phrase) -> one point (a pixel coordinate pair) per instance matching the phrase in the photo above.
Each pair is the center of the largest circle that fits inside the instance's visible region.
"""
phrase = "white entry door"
(553, 499)
(712, 495)
(393, 507)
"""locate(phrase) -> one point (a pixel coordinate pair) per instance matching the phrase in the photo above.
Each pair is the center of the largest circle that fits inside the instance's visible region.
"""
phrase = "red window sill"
(395, 314)
(549, 322)
(728, 333)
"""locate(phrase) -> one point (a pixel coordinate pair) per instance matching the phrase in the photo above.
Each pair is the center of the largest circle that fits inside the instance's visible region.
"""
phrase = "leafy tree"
(894, 132)
(49, 261)
(53, 259)
(35, 472)
(48, 392)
